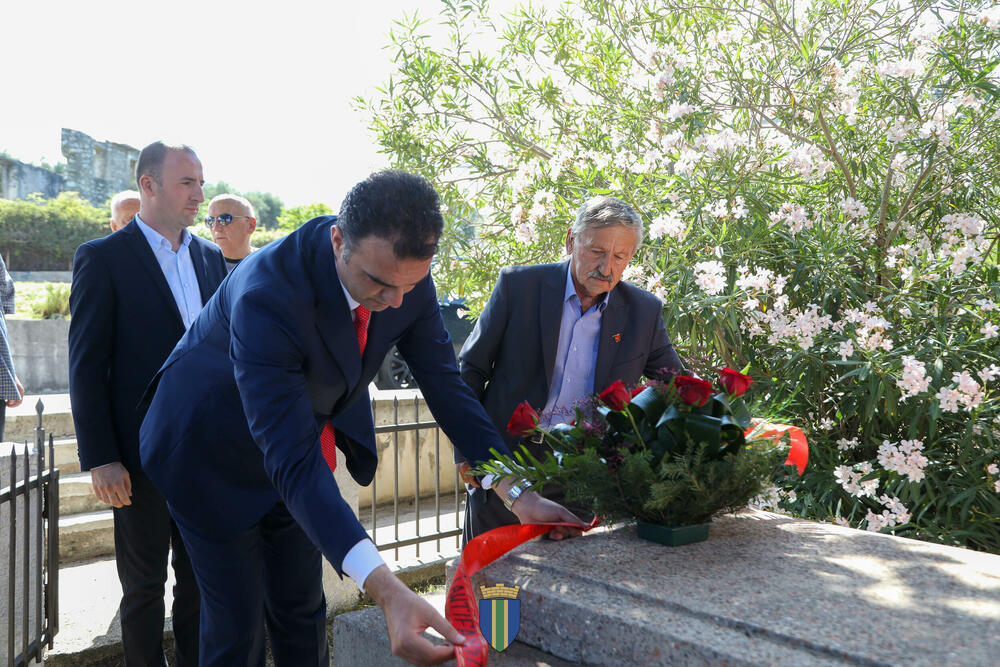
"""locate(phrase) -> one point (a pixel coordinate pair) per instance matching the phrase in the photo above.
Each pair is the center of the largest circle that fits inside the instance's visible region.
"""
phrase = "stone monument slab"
(764, 589)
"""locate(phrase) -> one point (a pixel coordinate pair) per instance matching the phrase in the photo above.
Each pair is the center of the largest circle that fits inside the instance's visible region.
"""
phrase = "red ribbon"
(798, 452)
(461, 609)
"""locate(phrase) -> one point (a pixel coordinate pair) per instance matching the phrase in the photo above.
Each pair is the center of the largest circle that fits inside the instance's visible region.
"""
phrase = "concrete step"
(76, 495)
(56, 417)
(85, 536)
(360, 639)
(67, 458)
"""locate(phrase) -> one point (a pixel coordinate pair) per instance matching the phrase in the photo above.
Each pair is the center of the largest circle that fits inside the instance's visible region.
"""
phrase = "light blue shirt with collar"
(576, 356)
(178, 269)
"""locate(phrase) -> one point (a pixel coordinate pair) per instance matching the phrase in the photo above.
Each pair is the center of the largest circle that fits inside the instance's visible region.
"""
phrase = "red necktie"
(327, 441)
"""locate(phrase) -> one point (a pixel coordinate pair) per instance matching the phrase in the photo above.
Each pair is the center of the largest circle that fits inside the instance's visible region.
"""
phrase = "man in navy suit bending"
(134, 293)
(238, 435)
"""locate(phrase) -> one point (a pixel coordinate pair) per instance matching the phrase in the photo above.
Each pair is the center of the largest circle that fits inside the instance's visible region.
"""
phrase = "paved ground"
(89, 593)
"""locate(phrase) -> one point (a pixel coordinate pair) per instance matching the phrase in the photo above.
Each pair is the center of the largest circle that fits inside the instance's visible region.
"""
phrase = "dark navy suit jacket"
(235, 421)
(125, 323)
(510, 355)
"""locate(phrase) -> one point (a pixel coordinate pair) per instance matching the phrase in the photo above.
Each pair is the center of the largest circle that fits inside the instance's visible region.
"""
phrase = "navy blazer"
(125, 323)
(234, 424)
(511, 354)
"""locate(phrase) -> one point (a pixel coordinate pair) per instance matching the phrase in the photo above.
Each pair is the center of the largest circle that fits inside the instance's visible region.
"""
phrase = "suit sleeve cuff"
(360, 561)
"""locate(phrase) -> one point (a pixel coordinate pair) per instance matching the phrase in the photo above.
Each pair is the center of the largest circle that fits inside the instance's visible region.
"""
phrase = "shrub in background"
(43, 234)
(820, 182)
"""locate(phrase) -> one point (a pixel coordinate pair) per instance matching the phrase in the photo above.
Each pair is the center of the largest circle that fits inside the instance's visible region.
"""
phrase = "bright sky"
(261, 90)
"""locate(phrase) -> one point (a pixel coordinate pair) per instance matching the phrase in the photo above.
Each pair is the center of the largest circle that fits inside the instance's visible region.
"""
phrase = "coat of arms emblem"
(499, 615)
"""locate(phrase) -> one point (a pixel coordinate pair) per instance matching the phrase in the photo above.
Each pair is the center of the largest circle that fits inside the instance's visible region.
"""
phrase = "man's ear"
(253, 225)
(337, 238)
(146, 184)
(569, 241)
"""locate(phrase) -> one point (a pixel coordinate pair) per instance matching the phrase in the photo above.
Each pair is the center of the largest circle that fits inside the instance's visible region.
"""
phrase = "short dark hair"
(397, 206)
(151, 160)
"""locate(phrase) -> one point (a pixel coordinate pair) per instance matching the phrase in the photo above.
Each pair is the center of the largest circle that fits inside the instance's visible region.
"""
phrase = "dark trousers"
(144, 535)
(268, 575)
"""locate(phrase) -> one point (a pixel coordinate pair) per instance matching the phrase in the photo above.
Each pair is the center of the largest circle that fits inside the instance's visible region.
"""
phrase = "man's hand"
(112, 484)
(533, 508)
(465, 473)
(14, 402)
(407, 615)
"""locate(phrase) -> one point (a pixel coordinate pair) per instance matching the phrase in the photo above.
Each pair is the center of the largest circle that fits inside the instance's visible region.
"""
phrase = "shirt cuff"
(360, 561)
(487, 481)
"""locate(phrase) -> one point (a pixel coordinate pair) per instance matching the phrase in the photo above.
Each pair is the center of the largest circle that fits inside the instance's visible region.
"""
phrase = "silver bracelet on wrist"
(513, 493)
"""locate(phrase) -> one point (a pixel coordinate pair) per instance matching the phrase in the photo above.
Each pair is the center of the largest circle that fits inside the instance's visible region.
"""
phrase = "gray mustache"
(600, 276)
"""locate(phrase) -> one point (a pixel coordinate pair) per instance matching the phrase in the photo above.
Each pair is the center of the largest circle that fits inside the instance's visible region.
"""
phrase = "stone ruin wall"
(18, 180)
(95, 169)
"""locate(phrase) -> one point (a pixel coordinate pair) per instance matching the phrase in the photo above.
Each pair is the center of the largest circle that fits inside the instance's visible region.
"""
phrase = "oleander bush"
(820, 182)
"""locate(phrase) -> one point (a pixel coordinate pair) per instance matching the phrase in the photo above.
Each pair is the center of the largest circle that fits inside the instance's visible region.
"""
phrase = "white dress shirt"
(177, 269)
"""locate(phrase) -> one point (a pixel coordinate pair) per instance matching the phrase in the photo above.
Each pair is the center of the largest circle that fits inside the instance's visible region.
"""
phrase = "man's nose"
(393, 296)
(199, 194)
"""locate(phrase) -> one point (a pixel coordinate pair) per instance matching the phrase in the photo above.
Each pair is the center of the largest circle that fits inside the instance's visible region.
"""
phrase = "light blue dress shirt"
(576, 357)
(177, 269)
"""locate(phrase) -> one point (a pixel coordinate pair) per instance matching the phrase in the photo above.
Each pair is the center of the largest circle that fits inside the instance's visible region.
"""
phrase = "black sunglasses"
(222, 220)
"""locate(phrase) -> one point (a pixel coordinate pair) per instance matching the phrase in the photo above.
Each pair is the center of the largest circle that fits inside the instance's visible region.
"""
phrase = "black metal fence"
(407, 529)
(29, 507)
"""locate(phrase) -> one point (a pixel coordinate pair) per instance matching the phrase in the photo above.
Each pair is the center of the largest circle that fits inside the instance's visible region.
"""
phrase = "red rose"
(616, 396)
(734, 382)
(523, 421)
(692, 390)
(638, 390)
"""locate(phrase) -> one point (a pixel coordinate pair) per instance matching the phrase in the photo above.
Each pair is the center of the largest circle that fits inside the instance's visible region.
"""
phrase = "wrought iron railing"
(421, 500)
(31, 505)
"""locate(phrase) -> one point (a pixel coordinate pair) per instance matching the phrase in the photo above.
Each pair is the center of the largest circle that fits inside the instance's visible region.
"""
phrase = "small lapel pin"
(618, 338)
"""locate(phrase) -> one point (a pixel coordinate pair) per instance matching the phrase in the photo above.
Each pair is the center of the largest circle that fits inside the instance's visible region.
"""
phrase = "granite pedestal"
(764, 589)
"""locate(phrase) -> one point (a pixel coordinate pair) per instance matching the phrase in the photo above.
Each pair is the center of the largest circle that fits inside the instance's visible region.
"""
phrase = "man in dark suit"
(554, 334)
(134, 293)
(238, 433)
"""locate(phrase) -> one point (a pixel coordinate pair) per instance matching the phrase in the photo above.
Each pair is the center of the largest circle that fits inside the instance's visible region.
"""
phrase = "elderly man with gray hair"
(124, 206)
(554, 334)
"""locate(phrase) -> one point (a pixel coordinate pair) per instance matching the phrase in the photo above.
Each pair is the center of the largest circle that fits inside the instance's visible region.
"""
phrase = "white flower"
(526, 233)
(990, 17)
(850, 480)
(992, 469)
(853, 208)
(678, 110)
(989, 330)
(687, 161)
(990, 373)
(632, 273)
(914, 380)
(846, 445)
(668, 224)
(719, 209)
(846, 350)
(709, 276)
(794, 215)
(905, 458)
